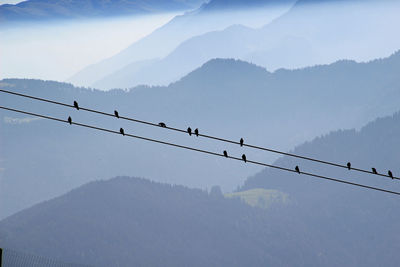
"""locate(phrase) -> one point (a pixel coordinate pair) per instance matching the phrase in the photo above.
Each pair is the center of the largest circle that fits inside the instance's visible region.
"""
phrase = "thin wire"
(202, 151)
(204, 135)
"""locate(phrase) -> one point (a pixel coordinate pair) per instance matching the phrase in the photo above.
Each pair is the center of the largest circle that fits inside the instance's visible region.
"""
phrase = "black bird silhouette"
(196, 132)
(374, 171)
(297, 169)
(349, 165)
(189, 130)
(116, 114)
(244, 158)
(390, 174)
(225, 154)
(161, 124)
(241, 141)
(122, 131)
(69, 120)
(76, 105)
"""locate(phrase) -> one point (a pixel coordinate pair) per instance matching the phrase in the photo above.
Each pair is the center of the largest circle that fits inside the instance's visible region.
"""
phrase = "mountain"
(211, 16)
(310, 33)
(374, 145)
(42, 10)
(134, 222)
(225, 98)
(359, 212)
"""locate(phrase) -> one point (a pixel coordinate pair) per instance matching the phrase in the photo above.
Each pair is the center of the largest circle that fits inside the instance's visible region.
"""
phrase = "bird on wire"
(116, 114)
(196, 132)
(297, 169)
(374, 171)
(69, 120)
(390, 174)
(241, 141)
(76, 105)
(244, 158)
(121, 131)
(189, 130)
(349, 165)
(225, 154)
(161, 124)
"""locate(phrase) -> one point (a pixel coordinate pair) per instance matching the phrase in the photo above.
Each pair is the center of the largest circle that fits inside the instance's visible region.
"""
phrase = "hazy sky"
(57, 51)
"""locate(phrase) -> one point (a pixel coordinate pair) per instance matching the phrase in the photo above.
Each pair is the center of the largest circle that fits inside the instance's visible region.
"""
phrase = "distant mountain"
(306, 35)
(42, 10)
(226, 98)
(211, 16)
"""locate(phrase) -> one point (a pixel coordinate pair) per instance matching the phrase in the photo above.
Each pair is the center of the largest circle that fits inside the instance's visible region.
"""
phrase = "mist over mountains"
(342, 95)
(309, 33)
(315, 78)
(211, 16)
(42, 10)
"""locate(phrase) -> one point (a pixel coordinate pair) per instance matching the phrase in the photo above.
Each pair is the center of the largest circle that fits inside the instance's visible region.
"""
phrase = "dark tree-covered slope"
(135, 222)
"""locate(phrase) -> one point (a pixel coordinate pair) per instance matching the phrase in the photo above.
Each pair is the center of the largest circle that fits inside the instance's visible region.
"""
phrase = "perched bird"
(349, 165)
(122, 131)
(241, 141)
(196, 132)
(189, 130)
(390, 174)
(225, 154)
(76, 105)
(244, 158)
(161, 124)
(374, 171)
(69, 120)
(116, 114)
(297, 169)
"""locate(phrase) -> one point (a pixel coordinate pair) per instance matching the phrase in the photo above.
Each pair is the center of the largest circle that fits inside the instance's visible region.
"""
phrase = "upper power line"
(224, 154)
(241, 142)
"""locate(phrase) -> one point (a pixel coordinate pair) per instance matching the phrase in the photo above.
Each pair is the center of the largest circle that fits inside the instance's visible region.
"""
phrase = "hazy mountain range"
(279, 110)
(214, 15)
(43, 10)
(128, 221)
(301, 37)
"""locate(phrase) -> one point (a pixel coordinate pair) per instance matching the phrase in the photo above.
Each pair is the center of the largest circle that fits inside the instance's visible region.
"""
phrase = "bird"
(244, 158)
(241, 141)
(116, 114)
(196, 132)
(69, 120)
(297, 169)
(76, 105)
(348, 165)
(122, 131)
(161, 124)
(390, 174)
(374, 171)
(225, 154)
(189, 130)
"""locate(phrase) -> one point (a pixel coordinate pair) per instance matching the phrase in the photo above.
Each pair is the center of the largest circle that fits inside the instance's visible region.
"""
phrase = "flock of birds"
(225, 153)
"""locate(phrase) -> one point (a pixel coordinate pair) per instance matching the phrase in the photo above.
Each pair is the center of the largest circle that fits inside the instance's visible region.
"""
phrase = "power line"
(201, 150)
(204, 135)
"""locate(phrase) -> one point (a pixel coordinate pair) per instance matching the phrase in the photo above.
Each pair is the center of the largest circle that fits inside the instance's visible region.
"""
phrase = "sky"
(59, 50)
